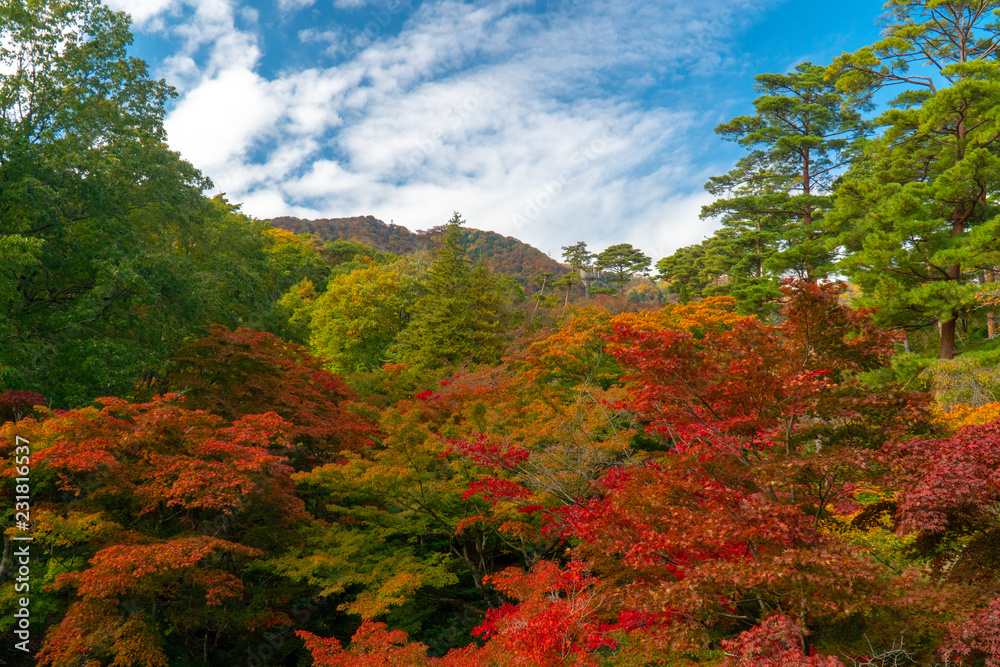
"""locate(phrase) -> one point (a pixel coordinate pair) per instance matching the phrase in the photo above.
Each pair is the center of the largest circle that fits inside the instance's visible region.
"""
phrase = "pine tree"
(463, 315)
(916, 217)
(685, 271)
(745, 252)
(622, 261)
(803, 133)
(582, 260)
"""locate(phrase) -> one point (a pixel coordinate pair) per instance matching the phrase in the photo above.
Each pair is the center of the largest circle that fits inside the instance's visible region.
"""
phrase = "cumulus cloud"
(530, 124)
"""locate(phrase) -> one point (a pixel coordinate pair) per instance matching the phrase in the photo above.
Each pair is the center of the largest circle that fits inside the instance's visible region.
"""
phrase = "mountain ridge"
(502, 254)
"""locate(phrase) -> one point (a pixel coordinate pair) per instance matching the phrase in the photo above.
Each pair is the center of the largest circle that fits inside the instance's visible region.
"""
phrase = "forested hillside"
(502, 254)
(366, 230)
(224, 442)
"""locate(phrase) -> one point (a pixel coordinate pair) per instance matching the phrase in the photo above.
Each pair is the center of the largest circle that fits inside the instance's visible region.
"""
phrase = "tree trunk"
(947, 338)
(991, 314)
(955, 270)
(540, 295)
(807, 214)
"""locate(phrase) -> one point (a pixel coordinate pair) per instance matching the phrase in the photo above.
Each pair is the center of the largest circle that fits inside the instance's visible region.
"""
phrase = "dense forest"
(228, 442)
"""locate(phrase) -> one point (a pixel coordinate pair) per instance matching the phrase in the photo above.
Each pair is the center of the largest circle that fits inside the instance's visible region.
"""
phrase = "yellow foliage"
(959, 415)
(282, 236)
(376, 601)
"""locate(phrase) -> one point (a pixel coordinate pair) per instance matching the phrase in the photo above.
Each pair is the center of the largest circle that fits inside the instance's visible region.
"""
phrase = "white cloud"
(204, 127)
(142, 11)
(526, 124)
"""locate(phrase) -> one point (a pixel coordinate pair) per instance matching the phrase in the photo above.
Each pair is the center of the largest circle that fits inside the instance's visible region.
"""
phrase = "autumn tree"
(408, 539)
(244, 372)
(373, 645)
(16, 405)
(150, 515)
(742, 424)
(752, 440)
(469, 470)
(915, 216)
(946, 487)
(756, 385)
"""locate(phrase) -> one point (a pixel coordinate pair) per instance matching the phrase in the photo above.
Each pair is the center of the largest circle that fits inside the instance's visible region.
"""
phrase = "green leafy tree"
(915, 217)
(801, 137)
(463, 315)
(116, 256)
(361, 314)
(298, 302)
(294, 258)
(622, 261)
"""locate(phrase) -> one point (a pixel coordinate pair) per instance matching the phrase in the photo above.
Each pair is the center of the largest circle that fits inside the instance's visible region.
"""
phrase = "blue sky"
(554, 121)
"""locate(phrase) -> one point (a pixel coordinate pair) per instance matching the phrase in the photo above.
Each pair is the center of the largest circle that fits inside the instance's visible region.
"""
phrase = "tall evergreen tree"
(463, 315)
(801, 136)
(686, 271)
(746, 252)
(917, 218)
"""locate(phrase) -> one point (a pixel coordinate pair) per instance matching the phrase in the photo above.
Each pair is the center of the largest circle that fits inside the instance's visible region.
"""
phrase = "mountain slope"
(502, 254)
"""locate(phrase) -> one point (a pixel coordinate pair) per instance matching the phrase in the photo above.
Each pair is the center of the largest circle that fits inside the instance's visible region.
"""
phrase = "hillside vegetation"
(501, 254)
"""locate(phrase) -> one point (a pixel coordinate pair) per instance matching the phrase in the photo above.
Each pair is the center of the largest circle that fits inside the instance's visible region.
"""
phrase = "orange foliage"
(372, 646)
(143, 478)
(961, 415)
